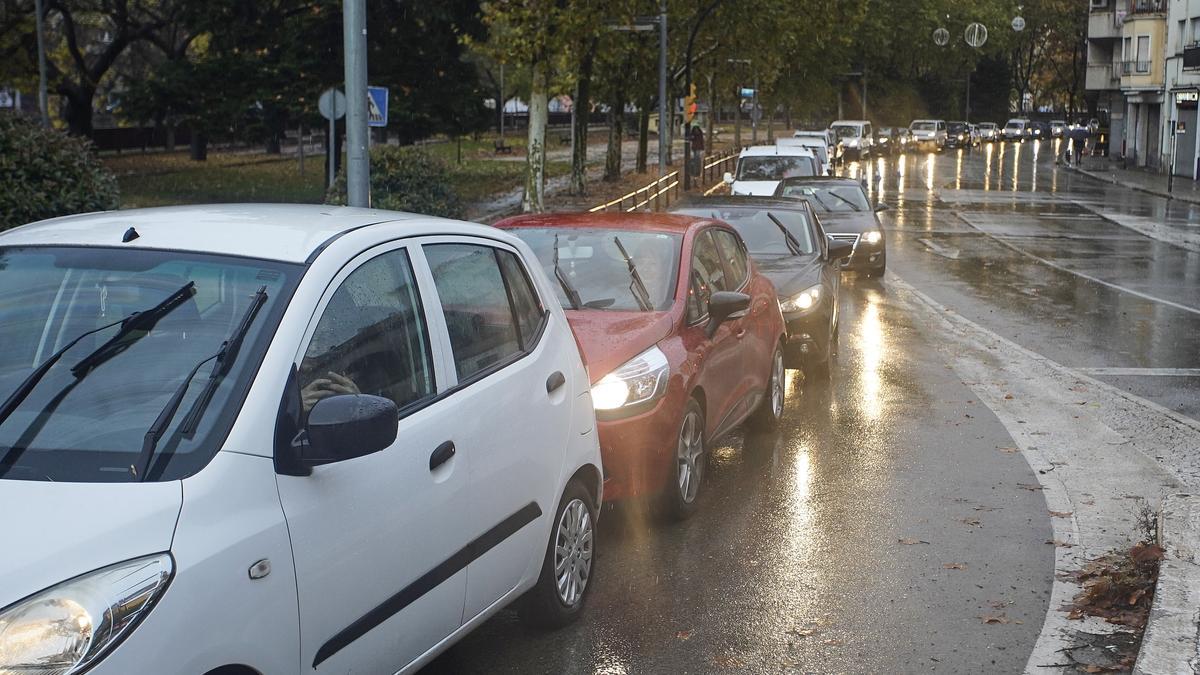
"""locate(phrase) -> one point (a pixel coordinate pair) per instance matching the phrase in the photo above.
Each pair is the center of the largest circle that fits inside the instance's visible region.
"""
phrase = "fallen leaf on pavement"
(1008, 397)
(803, 632)
(911, 542)
(1060, 544)
(833, 642)
(973, 522)
(955, 566)
(1010, 450)
(683, 634)
(994, 618)
(1029, 486)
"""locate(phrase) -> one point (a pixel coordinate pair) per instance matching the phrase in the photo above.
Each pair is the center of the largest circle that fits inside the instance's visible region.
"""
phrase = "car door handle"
(441, 455)
(555, 381)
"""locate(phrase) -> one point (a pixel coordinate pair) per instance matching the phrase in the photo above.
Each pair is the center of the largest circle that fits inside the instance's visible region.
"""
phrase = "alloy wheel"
(573, 552)
(690, 452)
(777, 384)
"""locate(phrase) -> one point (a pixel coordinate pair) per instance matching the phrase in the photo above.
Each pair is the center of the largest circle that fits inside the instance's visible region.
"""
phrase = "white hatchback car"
(388, 436)
(761, 167)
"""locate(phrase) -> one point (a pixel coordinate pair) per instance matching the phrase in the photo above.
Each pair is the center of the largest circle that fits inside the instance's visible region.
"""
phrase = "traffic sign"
(377, 106)
(332, 104)
(975, 35)
(746, 92)
(941, 37)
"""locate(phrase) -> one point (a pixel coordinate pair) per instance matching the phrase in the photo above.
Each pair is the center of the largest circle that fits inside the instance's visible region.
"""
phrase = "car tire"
(770, 410)
(681, 497)
(546, 605)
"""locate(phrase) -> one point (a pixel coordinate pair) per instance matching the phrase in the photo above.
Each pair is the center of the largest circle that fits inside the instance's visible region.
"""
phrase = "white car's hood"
(754, 187)
(55, 531)
(923, 133)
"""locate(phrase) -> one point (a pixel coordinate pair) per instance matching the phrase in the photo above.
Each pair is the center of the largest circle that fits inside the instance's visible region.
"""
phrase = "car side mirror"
(722, 306)
(880, 207)
(839, 249)
(728, 178)
(347, 426)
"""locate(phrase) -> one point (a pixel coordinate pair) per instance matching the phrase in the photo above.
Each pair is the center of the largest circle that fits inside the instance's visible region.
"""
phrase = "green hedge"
(405, 179)
(46, 173)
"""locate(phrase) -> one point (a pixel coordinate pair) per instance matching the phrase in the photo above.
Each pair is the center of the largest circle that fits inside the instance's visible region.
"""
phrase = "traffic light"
(689, 104)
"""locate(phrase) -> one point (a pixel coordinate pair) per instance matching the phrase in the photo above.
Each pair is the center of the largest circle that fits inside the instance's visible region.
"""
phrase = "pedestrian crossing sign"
(377, 106)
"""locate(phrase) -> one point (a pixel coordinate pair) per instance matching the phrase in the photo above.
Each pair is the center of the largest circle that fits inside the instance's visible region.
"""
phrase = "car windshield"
(1014, 124)
(846, 130)
(595, 266)
(956, 127)
(924, 126)
(86, 418)
(759, 231)
(834, 198)
(775, 167)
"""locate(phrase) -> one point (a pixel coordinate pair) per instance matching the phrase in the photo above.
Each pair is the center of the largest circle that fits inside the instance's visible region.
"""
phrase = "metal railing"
(1135, 67)
(1148, 6)
(655, 197)
(714, 167)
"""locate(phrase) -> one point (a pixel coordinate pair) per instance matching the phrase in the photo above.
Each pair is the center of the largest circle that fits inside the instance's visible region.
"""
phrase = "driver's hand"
(332, 384)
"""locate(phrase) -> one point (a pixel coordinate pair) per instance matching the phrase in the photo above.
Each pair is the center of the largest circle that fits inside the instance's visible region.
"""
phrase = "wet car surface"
(887, 519)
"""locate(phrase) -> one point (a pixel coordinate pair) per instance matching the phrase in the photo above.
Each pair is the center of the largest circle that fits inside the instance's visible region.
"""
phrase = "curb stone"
(1172, 640)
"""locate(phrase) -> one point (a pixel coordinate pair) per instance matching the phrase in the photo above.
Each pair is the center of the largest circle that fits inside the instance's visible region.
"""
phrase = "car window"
(707, 275)
(733, 256)
(371, 338)
(525, 303)
(775, 168)
(756, 225)
(474, 299)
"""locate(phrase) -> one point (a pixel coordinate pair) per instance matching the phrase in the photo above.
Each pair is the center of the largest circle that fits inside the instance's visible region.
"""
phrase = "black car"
(886, 141)
(958, 135)
(847, 215)
(790, 248)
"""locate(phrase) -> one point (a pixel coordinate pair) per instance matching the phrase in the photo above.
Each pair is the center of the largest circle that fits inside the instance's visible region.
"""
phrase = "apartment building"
(1180, 140)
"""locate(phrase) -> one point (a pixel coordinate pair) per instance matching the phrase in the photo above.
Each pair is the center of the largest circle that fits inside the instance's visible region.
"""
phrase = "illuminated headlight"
(960, 137)
(66, 628)
(640, 379)
(803, 300)
(872, 237)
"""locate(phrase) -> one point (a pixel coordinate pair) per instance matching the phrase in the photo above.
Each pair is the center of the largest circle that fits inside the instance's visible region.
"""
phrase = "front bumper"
(807, 335)
(865, 256)
(639, 451)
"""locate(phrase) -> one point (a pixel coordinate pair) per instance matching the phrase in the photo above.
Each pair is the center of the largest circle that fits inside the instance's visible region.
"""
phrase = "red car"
(681, 334)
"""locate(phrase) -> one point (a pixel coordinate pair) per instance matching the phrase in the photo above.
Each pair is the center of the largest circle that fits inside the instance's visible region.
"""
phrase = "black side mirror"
(348, 426)
(881, 207)
(722, 306)
(839, 249)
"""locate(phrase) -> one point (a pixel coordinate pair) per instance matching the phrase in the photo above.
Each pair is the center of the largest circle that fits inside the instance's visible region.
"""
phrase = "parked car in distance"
(818, 148)
(387, 437)
(856, 135)
(1057, 128)
(681, 333)
(836, 150)
(929, 134)
(760, 168)
(847, 215)
(1017, 129)
(789, 246)
(958, 135)
(988, 132)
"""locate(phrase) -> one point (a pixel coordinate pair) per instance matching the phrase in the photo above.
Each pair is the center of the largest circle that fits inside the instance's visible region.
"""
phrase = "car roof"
(287, 232)
(859, 122)
(837, 180)
(746, 201)
(776, 150)
(641, 221)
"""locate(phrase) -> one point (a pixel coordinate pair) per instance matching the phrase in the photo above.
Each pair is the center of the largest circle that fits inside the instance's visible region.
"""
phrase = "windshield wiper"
(850, 203)
(224, 358)
(572, 294)
(792, 244)
(637, 287)
(144, 321)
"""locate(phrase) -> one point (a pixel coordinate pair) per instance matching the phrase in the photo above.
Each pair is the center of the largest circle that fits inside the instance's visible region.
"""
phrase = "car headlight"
(640, 379)
(806, 299)
(66, 628)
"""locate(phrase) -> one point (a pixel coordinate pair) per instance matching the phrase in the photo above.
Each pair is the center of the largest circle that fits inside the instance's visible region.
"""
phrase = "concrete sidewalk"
(1110, 171)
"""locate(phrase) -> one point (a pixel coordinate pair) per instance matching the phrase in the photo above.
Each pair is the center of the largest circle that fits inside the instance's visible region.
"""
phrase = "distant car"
(681, 333)
(836, 150)
(846, 215)
(760, 168)
(1057, 128)
(856, 135)
(886, 141)
(1039, 131)
(958, 135)
(929, 134)
(315, 436)
(988, 132)
(818, 148)
(1017, 129)
(904, 139)
(790, 248)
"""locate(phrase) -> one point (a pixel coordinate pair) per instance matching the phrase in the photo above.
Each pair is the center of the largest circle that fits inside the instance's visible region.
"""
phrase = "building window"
(1143, 54)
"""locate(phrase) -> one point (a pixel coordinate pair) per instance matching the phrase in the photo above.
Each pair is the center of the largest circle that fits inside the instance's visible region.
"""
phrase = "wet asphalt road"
(802, 558)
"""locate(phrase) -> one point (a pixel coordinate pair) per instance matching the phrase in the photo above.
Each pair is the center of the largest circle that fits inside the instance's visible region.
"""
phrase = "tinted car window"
(479, 318)
(733, 255)
(707, 276)
(371, 338)
(831, 198)
(761, 235)
(526, 306)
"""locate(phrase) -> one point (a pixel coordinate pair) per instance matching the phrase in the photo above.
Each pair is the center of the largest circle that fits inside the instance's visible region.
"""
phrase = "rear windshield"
(838, 197)
(775, 168)
(1014, 124)
(593, 263)
(847, 130)
(759, 231)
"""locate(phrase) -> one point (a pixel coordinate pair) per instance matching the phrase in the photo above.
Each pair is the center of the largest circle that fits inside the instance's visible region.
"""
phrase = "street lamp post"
(737, 108)
(354, 35)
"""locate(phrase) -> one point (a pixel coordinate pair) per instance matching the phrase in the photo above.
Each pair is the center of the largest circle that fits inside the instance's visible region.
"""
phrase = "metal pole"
(1174, 147)
(331, 148)
(43, 99)
(754, 113)
(502, 101)
(663, 122)
(967, 110)
(354, 37)
(864, 92)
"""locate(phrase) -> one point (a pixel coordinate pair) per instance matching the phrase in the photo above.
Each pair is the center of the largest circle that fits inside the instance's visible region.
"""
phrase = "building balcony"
(1148, 6)
(1103, 26)
(1101, 77)
(1135, 68)
(1191, 57)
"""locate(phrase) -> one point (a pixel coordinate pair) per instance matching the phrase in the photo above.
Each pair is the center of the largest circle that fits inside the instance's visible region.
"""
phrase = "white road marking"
(951, 253)
(1158, 372)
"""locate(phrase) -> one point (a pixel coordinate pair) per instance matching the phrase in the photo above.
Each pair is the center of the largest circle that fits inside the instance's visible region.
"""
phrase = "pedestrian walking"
(1079, 141)
(697, 142)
